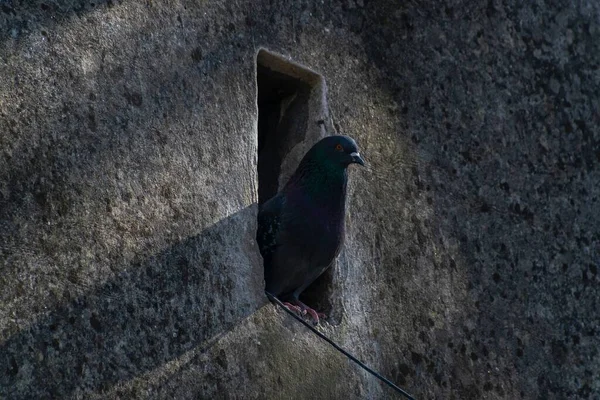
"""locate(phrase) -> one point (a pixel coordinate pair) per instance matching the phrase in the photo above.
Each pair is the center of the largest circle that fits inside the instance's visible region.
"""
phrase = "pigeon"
(301, 229)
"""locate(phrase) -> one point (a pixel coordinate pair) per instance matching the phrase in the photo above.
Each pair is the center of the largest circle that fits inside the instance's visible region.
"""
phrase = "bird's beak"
(356, 158)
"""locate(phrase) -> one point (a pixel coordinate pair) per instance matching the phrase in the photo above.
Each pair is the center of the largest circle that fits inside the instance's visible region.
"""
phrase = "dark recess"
(282, 123)
(283, 107)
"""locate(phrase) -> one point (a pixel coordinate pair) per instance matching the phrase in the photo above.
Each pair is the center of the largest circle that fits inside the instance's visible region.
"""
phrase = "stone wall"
(128, 191)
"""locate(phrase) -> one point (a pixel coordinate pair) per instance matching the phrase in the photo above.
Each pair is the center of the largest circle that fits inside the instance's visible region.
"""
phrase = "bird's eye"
(339, 147)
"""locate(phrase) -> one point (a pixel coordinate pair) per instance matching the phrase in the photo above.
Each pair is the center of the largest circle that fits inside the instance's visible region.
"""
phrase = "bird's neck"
(325, 185)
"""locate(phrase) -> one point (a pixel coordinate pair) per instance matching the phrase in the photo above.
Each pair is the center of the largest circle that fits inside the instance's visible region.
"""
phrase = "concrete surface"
(128, 191)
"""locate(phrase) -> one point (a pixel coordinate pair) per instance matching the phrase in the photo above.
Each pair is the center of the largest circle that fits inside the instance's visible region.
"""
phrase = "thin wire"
(338, 348)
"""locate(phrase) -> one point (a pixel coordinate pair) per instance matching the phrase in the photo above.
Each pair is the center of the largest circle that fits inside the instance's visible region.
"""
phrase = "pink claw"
(315, 315)
(294, 308)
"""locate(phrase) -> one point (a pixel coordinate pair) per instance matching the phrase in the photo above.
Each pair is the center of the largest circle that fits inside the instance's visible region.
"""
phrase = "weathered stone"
(128, 190)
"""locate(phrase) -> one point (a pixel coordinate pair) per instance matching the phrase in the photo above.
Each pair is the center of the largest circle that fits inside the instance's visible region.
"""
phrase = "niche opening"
(292, 116)
(283, 103)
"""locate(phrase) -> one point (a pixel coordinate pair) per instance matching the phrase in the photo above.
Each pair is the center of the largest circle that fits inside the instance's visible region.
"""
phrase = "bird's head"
(338, 150)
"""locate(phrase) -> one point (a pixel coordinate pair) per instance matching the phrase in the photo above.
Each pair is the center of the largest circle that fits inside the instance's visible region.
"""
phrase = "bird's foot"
(294, 308)
(316, 316)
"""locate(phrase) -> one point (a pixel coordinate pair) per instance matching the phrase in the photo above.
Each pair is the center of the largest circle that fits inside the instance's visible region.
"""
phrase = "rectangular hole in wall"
(282, 123)
(291, 110)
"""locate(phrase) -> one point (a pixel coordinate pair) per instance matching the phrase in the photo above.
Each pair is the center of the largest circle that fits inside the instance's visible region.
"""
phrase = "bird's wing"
(269, 218)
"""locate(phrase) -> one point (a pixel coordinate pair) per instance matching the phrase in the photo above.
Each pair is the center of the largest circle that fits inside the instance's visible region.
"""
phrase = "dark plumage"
(301, 228)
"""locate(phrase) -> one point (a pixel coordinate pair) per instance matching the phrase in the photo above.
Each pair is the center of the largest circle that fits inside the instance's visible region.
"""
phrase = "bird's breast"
(314, 224)
(318, 240)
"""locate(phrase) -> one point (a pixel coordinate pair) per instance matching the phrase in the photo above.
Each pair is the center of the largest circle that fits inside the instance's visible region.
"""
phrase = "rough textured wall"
(128, 186)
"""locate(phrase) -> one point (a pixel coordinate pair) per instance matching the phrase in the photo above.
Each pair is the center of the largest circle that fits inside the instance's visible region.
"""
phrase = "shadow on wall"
(449, 357)
(148, 315)
(154, 310)
(520, 317)
(43, 14)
